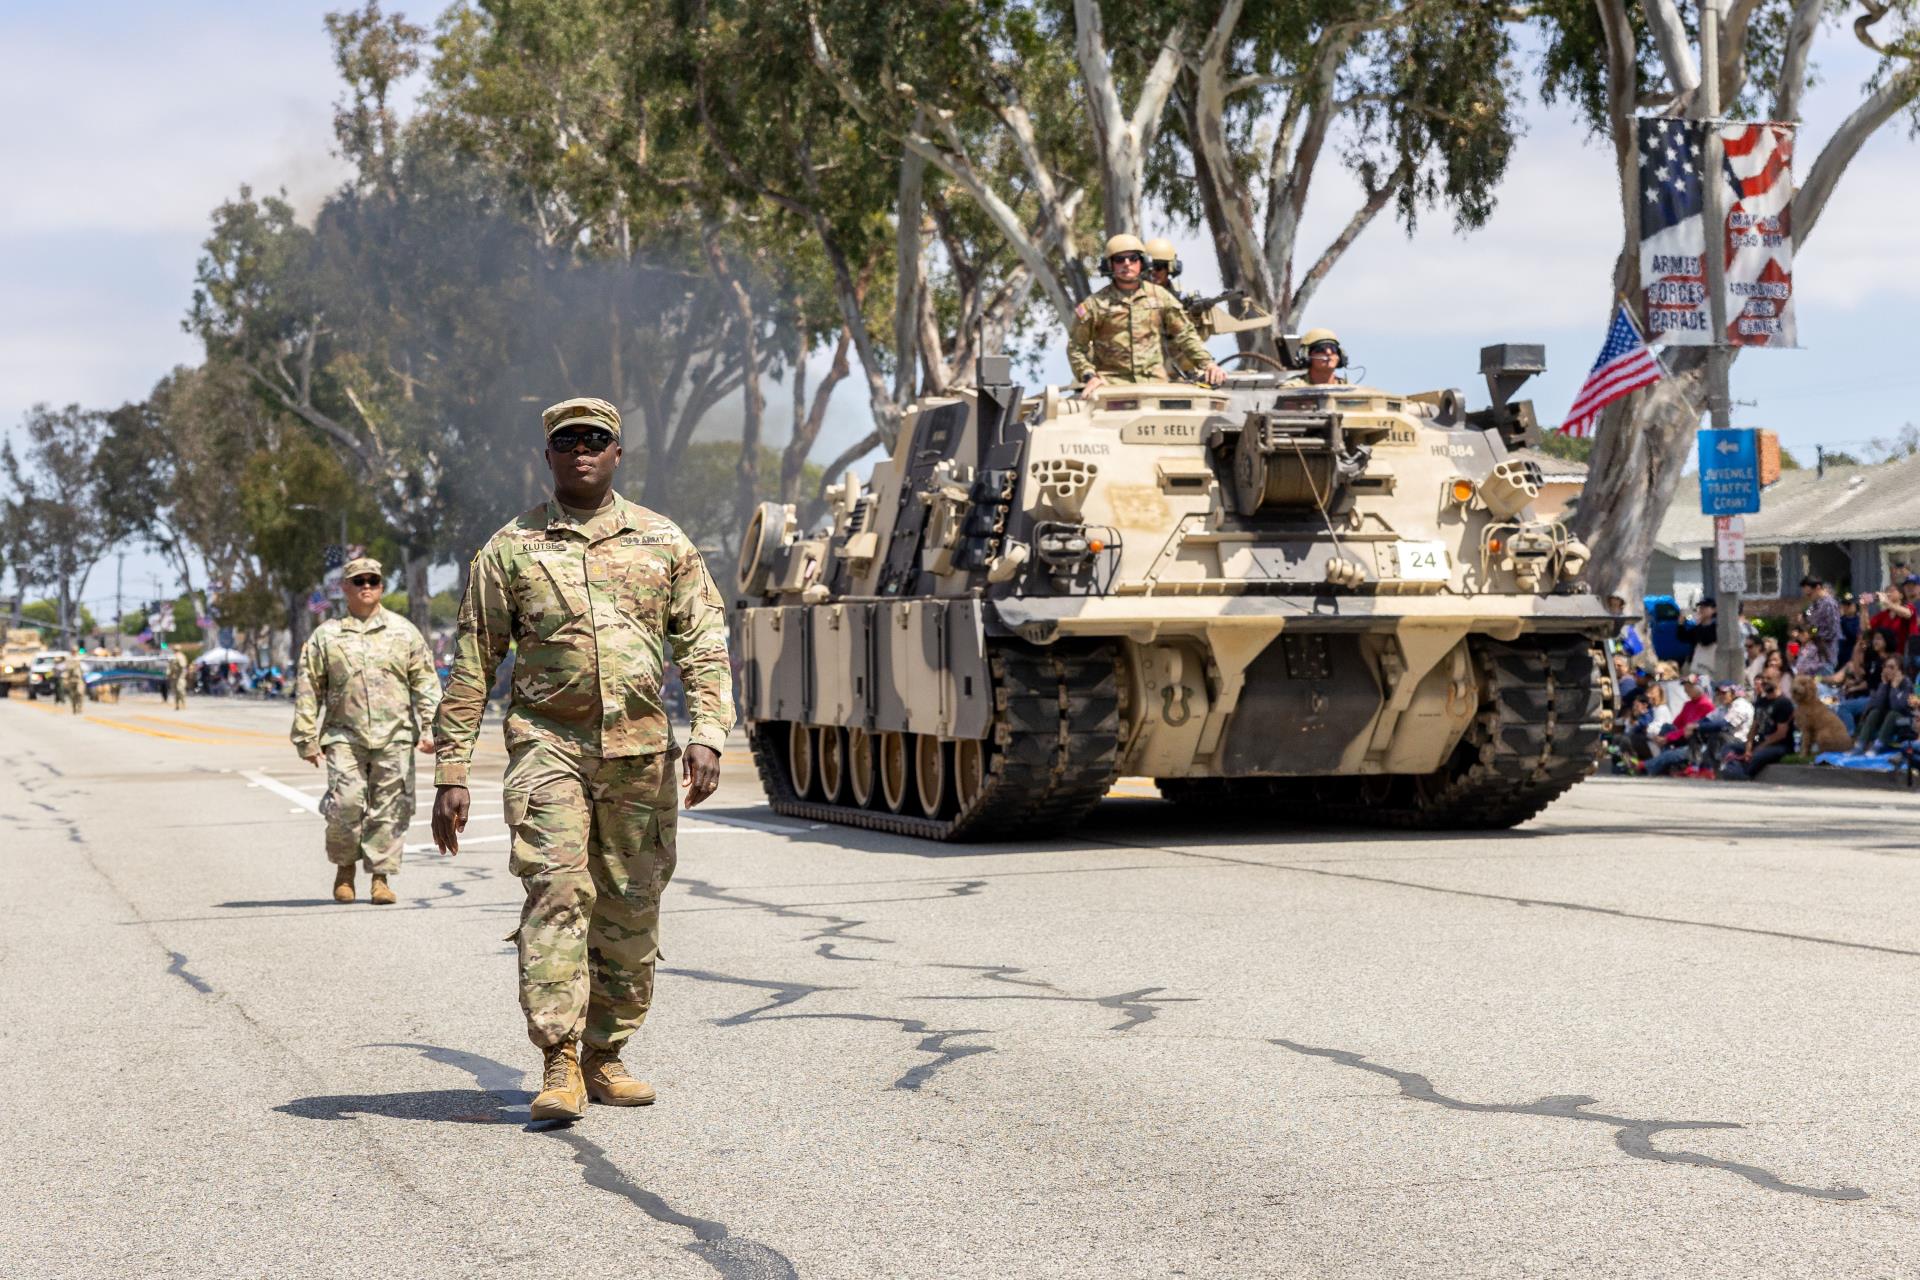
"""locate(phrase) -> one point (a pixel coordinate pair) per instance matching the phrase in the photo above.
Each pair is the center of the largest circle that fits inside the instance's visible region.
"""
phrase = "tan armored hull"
(1333, 594)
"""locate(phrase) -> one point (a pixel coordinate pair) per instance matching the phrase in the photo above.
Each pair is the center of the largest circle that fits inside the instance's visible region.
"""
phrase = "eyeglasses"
(1319, 347)
(596, 439)
(365, 580)
(1126, 257)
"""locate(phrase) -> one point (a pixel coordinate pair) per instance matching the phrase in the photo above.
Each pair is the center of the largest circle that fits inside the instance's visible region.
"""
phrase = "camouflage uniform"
(366, 689)
(595, 604)
(177, 679)
(1117, 334)
(73, 684)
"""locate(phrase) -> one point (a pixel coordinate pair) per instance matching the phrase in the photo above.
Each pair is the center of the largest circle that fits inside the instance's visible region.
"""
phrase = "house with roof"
(1846, 525)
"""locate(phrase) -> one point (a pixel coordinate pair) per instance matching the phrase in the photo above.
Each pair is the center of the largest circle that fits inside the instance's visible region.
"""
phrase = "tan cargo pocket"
(550, 828)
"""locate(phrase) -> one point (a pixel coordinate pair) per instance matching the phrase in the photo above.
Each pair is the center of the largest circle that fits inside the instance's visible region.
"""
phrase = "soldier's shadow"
(444, 1106)
(286, 902)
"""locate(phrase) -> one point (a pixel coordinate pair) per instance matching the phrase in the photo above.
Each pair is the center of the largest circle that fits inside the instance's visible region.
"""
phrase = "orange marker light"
(1463, 490)
(1095, 545)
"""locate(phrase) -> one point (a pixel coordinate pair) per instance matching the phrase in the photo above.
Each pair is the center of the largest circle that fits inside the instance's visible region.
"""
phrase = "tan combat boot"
(563, 1094)
(608, 1081)
(381, 894)
(343, 883)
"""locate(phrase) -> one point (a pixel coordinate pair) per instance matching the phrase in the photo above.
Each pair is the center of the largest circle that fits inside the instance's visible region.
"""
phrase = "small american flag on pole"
(1625, 364)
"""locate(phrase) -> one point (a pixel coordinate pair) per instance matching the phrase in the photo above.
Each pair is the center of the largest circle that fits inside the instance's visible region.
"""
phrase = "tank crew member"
(1118, 332)
(599, 595)
(1163, 263)
(1325, 359)
(366, 692)
(177, 678)
(1163, 266)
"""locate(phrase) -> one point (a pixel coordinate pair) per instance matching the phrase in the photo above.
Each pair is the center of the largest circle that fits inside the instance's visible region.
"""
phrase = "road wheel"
(969, 772)
(831, 750)
(931, 780)
(862, 776)
(896, 770)
(800, 759)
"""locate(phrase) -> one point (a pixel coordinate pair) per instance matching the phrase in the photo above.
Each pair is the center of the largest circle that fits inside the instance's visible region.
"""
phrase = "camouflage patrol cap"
(590, 411)
(365, 564)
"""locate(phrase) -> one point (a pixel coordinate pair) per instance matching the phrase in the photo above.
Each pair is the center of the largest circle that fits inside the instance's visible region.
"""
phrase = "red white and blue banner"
(1757, 238)
(1759, 234)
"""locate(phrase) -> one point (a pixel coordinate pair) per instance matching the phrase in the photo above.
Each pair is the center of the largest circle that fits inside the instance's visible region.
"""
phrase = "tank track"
(1539, 731)
(1053, 752)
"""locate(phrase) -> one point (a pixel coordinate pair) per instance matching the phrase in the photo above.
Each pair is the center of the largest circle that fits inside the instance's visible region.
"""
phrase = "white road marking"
(748, 823)
(309, 803)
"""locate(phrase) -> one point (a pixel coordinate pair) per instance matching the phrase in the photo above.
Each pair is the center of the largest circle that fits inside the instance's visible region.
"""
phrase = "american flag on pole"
(1625, 364)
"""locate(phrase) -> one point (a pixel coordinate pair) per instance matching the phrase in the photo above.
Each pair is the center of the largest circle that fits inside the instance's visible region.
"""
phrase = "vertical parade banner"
(1757, 238)
(1759, 176)
(1673, 273)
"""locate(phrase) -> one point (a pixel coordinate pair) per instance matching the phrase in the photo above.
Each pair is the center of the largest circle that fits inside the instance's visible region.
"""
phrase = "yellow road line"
(155, 733)
(210, 728)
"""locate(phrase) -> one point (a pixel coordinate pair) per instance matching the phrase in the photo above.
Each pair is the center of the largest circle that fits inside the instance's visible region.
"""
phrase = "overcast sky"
(127, 123)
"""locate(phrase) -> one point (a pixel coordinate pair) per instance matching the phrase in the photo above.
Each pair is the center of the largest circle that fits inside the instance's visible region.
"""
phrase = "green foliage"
(186, 625)
(47, 612)
(1558, 444)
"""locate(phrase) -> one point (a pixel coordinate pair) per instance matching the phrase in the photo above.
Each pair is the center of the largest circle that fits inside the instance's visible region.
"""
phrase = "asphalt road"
(1666, 1029)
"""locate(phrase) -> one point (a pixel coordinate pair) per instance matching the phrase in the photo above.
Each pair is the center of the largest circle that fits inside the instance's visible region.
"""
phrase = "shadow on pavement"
(287, 902)
(453, 1106)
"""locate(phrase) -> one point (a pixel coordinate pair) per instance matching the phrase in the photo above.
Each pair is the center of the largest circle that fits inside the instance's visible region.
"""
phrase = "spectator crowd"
(1839, 689)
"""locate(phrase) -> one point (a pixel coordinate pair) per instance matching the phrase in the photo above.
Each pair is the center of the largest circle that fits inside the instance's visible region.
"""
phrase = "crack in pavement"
(1000, 973)
(932, 1040)
(450, 888)
(1632, 1136)
(1138, 1010)
(1616, 912)
(730, 1256)
(838, 928)
(178, 968)
(785, 993)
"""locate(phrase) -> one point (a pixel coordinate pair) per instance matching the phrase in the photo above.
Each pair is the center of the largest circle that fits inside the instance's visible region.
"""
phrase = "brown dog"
(1820, 729)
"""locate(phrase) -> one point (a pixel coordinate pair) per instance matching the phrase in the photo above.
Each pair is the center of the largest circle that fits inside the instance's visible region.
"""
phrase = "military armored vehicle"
(1313, 602)
(18, 648)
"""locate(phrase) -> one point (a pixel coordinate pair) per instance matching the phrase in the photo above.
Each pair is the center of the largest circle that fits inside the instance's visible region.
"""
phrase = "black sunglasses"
(1127, 257)
(366, 580)
(596, 439)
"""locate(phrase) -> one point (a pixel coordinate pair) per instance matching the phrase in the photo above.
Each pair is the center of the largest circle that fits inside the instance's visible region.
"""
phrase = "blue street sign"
(1730, 472)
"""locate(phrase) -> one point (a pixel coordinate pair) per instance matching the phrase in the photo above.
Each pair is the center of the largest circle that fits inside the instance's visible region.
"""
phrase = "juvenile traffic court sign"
(1730, 472)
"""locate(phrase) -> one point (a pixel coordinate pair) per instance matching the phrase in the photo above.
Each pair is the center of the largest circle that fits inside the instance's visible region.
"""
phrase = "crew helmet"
(1160, 252)
(1124, 243)
(1313, 337)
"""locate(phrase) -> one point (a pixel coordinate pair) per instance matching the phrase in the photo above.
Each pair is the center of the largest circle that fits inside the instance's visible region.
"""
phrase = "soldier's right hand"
(449, 818)
(1087, 387)
(313, 759)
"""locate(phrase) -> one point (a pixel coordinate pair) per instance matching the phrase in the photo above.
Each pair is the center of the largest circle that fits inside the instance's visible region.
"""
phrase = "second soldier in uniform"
(597, 595)
(366, 692)
(177, 679)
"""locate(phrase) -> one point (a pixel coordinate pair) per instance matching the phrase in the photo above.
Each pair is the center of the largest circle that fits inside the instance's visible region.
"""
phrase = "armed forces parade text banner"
(1757, 238)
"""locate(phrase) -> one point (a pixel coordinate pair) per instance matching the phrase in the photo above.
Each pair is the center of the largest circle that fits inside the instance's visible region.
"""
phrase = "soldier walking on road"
(177, 678)
(598, 594)
(73, 683)
(366, 692)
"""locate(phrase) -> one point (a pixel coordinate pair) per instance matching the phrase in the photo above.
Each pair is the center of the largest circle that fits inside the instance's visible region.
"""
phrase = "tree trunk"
(1640, 450)
(419, 599)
